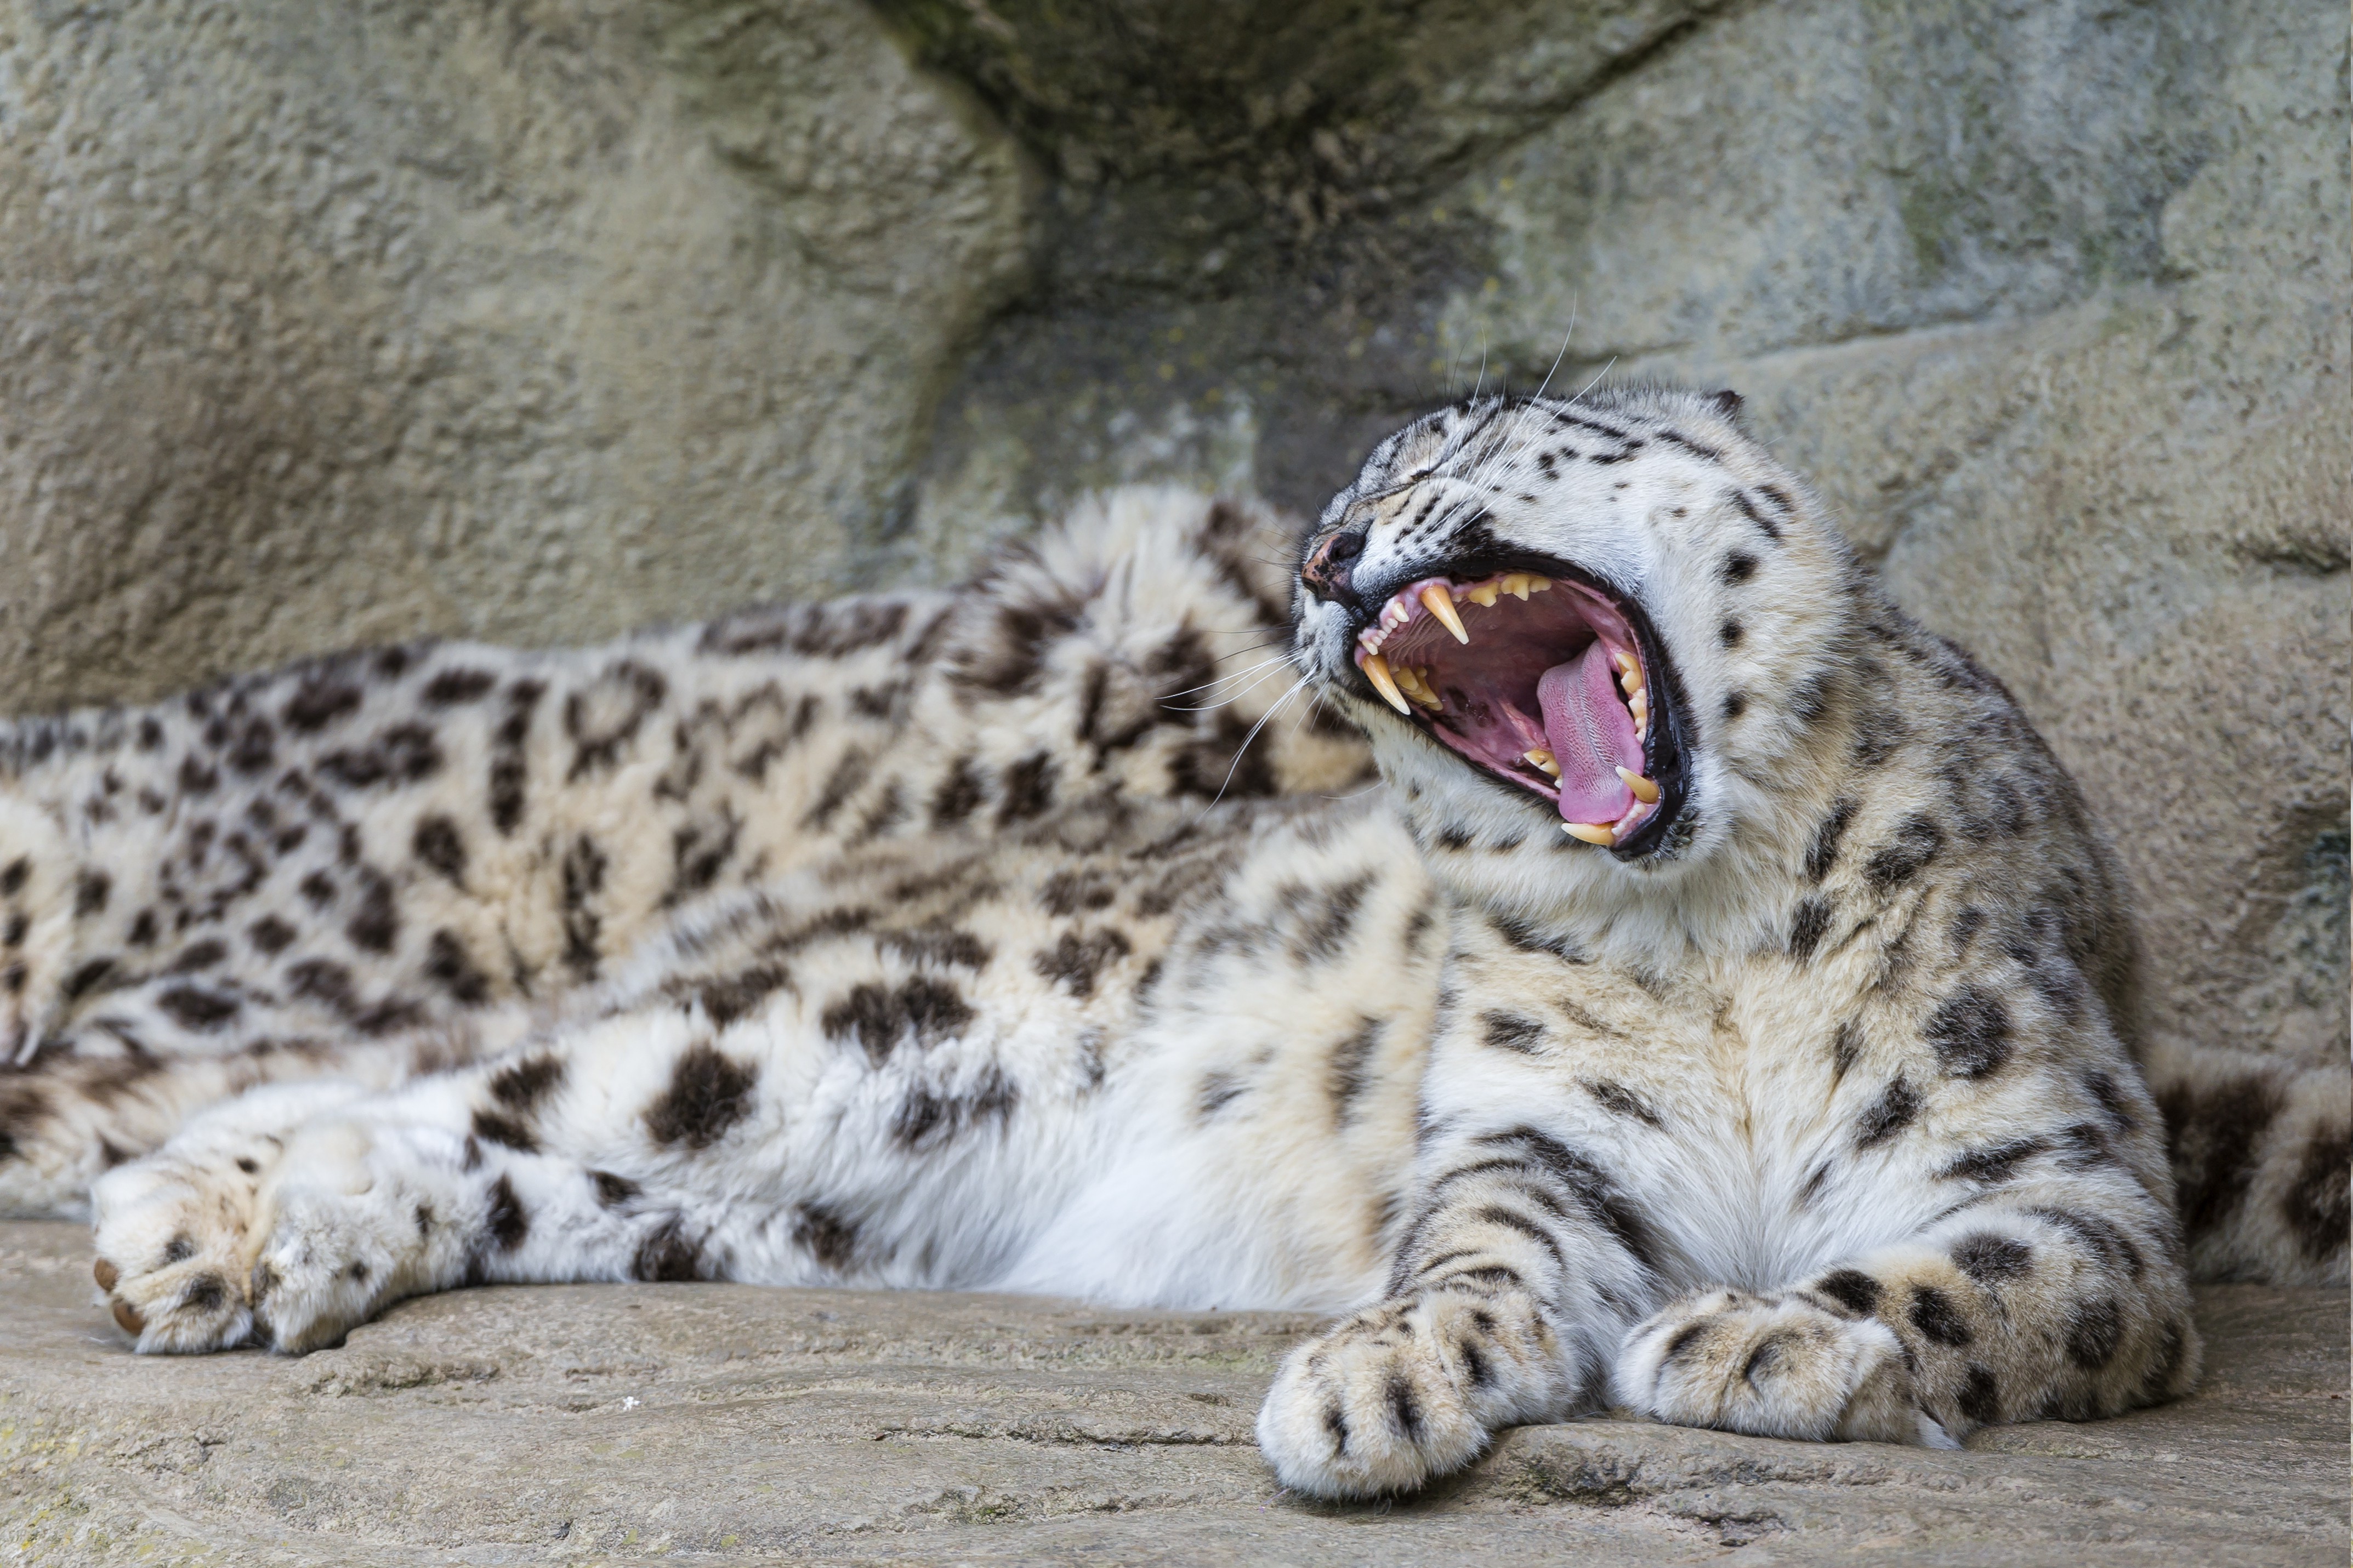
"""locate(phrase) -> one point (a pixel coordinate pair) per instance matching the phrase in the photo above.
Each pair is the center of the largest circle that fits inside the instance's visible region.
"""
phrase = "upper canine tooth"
(1377, 670)
(1645, 790)
(1591, 832)
(1483, 594)
(1439, 603)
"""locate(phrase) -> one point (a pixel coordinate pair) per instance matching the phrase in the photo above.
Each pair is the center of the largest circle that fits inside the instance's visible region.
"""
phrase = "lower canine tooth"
(1645, 790)
(1377, 670)
(1591, 832)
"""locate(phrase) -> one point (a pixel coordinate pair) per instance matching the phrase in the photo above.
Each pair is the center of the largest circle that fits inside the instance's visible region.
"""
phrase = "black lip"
(1665, 749)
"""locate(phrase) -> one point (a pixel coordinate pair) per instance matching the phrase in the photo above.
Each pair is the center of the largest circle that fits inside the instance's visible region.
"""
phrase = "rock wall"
(328, 323)
(331, 323)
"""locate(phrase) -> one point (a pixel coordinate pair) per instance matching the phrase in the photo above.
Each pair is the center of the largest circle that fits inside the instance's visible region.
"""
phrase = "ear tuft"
(1726, 402)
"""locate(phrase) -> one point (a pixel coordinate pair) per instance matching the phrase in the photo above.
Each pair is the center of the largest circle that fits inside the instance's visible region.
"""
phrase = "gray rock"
(327, 324)
(721, 1422)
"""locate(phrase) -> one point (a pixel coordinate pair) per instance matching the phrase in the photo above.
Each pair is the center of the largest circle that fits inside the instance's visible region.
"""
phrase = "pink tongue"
(1592, 736)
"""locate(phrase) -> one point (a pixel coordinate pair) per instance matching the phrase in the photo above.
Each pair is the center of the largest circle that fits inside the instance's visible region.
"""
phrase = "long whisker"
(1596, 381)
(1236, 675)
(1510, 461)
(1230, 696)
(1564, 350)
(1240, 751)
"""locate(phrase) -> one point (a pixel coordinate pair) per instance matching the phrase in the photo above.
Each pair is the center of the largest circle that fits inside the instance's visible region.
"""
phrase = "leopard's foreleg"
(1513, 1284)
(2059, 1297)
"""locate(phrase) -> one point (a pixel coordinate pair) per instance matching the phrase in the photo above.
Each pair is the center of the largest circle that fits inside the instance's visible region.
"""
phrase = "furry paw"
(262, 1223)
(1772, 1368)
(1406, 1391)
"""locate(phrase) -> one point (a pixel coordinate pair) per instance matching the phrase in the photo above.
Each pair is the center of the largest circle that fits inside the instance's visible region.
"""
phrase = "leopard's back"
(389, 861)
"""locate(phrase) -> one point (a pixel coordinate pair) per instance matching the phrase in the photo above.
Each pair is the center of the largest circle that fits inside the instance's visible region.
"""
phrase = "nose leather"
(1329, 569)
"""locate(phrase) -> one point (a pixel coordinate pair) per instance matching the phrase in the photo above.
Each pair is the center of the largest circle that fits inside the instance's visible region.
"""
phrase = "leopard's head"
(1590, 627)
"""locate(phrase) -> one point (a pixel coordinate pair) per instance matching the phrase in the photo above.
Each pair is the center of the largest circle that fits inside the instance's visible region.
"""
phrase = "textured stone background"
(535, 320)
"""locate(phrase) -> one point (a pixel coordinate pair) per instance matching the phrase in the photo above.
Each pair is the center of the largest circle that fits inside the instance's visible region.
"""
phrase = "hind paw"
(255, 1225)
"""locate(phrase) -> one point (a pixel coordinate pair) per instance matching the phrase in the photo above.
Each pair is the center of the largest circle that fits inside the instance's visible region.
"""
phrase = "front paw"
(1772, 1368)
(1406, 1391)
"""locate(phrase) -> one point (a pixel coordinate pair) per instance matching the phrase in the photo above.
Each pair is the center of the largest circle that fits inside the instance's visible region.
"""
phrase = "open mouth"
(1540, 680)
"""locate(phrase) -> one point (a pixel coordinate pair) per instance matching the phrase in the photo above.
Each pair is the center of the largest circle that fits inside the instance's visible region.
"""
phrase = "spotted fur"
(957, 939)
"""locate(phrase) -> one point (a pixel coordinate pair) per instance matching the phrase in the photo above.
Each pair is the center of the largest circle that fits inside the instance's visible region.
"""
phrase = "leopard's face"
(1591, 619)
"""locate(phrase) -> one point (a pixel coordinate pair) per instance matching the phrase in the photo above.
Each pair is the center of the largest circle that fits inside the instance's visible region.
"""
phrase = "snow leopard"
(1554, 915)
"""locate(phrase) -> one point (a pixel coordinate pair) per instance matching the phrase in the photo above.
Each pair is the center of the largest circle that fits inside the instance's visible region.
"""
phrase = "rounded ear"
(1727, 402)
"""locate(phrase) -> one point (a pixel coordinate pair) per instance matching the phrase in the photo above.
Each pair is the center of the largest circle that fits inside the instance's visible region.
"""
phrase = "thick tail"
(2262, 1151)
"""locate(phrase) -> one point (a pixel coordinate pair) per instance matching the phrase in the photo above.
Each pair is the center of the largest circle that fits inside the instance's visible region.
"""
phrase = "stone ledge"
(721, 1422)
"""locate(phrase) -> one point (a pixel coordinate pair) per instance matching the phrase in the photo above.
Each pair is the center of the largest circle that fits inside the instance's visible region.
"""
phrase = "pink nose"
(1331, 565)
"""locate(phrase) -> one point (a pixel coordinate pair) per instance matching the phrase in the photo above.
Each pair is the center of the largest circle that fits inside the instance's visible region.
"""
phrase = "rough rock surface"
(720, 1422)
(330, 324)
